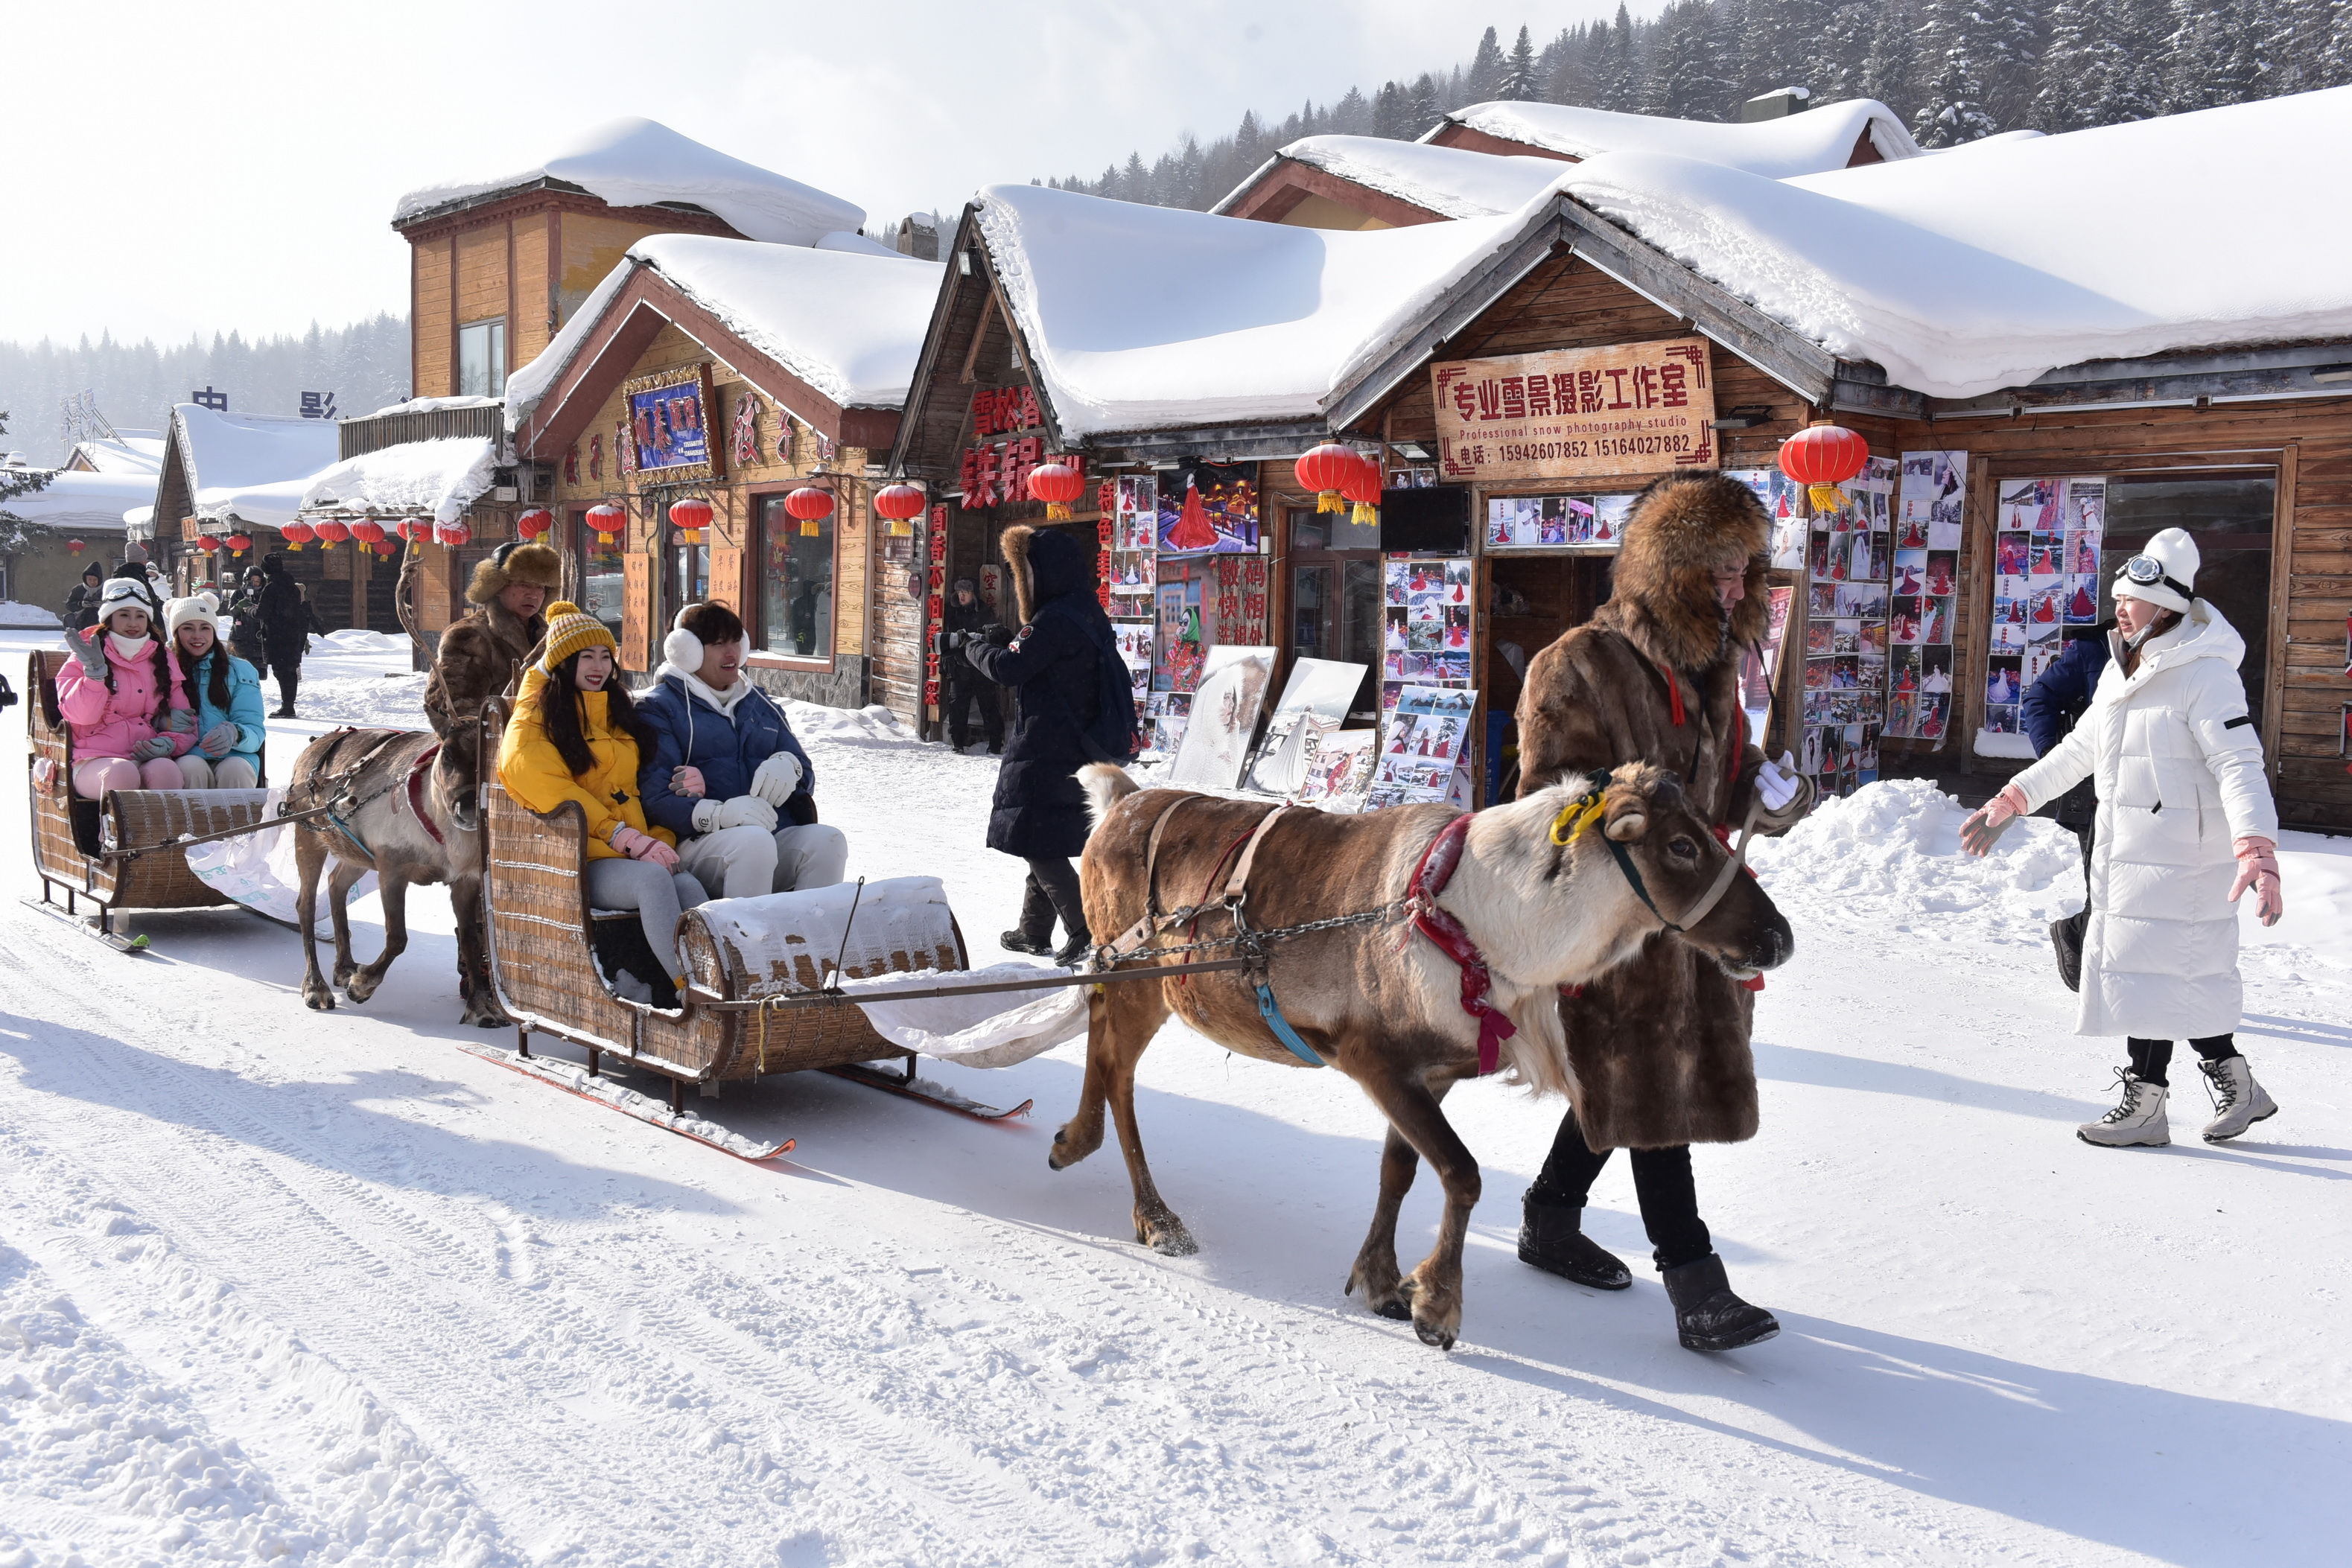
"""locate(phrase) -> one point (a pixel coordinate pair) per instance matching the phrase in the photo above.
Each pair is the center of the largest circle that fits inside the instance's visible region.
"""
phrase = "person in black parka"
(81, 604)
(967, 619)
(1076, 707)
(285, 630)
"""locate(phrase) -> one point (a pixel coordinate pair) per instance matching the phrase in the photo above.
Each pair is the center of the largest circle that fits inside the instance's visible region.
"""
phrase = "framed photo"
(668, 425)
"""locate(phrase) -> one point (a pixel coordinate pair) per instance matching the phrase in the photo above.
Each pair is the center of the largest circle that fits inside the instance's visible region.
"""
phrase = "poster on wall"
(1205, 602)
(668, 425)
(1135, 640)
(1427, 748)
(1207, 508)
(1133, 571)
(1581, 523)
(1224, 722)
(1849, 636)
(2048, 533)
(1316, 695)
(1935, 498)
(1785, 503)
(1426, 621)
(1926, 594)
(1338, 771)
(1759, 669)
(1626, 408)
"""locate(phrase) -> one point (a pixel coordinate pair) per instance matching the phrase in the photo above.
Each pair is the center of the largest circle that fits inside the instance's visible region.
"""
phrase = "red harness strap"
(416, 790)
(1429, 880)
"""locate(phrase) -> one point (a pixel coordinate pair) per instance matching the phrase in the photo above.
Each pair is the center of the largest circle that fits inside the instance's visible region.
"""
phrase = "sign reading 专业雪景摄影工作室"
(1630, 408)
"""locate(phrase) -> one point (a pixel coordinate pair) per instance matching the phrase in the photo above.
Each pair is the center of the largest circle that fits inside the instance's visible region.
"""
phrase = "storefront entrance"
(2231, 517)
(1532, 600)
(1335, 599)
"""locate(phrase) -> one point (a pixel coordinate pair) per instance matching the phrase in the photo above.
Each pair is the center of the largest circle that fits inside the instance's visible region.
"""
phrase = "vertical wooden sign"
(727, 580)
(636, 609)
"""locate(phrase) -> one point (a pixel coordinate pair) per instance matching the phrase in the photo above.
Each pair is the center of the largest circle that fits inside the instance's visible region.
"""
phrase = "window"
(482, 358)
(689, 577)
(601, 579)
(796, 582)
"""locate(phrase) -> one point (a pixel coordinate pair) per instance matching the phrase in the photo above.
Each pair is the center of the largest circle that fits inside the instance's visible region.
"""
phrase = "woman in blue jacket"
(225, 692)
(724, 772)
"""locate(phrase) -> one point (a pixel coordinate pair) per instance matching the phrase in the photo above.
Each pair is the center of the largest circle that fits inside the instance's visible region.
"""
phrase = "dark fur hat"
(1683, 526)
(517, 562)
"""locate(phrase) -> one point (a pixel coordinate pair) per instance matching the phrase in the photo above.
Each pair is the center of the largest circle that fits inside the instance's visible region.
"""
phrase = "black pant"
(1053, 888)
(1661, 1181)
(961, 695)
(288, 666)
(2149, 1058)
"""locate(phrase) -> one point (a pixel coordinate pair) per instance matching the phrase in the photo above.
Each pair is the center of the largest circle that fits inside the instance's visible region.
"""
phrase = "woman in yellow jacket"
(575, 738)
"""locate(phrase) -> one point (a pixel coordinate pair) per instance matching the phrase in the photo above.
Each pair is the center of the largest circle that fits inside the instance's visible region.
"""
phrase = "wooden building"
(1829, 136)
(735, 372)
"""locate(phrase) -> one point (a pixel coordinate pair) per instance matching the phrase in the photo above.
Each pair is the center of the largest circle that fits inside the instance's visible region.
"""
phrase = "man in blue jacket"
(723, 772)
(2050, 708)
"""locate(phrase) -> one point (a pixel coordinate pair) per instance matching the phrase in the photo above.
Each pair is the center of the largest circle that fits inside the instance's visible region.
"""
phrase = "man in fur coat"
(483, 653)
(1659, 1048)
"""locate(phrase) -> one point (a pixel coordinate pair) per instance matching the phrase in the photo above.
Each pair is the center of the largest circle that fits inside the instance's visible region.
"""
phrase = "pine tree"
(1890, 71)
(1687, 79)
(1954, 111)
(2136, 83)
(1423, 111)
(1621, 83)
(1518, 83)
(2076, 67)
(1485, 77)
(1391, 114)
(1351, 116)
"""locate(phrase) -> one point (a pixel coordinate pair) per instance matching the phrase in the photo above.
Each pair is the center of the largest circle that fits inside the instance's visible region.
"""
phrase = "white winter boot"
(2237, 1101)
(2139, 1119)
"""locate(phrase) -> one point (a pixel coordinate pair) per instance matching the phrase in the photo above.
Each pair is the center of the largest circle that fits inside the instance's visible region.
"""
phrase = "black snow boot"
(1075, 950)
(1708, 1316)
(1552, 1238)
(1035, 933)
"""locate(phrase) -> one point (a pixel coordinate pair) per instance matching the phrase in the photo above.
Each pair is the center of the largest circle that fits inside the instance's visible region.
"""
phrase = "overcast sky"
(178, 167)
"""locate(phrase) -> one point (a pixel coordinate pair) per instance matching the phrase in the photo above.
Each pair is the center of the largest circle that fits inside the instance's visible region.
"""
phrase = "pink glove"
(1978, 833)
(2258, 869)
(688, 781)
(644, 847)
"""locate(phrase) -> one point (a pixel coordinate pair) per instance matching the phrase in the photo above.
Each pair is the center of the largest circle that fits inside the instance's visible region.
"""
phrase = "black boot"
(1707, 1315)
(1036, 931)
(1552, 1238)
(1074, 949)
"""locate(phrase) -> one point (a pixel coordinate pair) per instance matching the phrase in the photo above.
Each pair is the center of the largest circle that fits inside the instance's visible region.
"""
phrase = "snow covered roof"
(848, 323)
(1452, 182)
(1985, 267)
(129, 452)
(435, 406)
(84, 502)
(440, 478)
(635, 163)
(238, 464)
(1806, 143)
(1152, 317)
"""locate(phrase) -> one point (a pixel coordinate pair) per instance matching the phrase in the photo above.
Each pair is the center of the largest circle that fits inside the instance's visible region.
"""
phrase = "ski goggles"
(2147, 572)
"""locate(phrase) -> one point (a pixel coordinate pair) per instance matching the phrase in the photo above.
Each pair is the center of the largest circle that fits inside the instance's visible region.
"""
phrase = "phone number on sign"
(1608, 446)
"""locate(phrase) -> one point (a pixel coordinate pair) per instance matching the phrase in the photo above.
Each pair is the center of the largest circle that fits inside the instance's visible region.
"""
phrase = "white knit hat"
(124, 594)
(2175, 584)
(178, 613)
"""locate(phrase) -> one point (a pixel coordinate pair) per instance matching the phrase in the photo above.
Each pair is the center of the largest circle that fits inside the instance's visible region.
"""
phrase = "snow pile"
(1891, 850)
(1962, 275)
(436, 478)
(351, 640)
(368, 701)
(848, 323)
(18, 616)
(124, 452)
(1147, 317)
(78, 502)
(637, 163)
(1808, 143)
(783, 942)
(250, 466)
(1450, 180)
(816, 724)
(435, 406)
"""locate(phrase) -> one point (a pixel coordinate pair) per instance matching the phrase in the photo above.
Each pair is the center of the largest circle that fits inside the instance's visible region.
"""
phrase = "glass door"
(2231, 518)
(1334, 598)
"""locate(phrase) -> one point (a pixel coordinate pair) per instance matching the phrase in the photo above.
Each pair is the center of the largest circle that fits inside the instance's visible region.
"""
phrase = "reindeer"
(1547, 892)
(401, 792)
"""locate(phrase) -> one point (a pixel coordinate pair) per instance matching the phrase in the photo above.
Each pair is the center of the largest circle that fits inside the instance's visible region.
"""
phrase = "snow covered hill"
(286, 1287)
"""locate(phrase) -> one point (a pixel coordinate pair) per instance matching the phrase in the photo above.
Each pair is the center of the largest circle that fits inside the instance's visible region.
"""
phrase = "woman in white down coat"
(2186, 825)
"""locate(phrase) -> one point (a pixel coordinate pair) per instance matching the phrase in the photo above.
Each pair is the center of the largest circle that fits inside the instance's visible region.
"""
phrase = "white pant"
(657, 893)
(231, 772)
(746, 861)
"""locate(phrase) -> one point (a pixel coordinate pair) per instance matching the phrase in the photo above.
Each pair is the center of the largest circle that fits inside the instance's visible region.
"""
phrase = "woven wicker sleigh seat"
(755, 966)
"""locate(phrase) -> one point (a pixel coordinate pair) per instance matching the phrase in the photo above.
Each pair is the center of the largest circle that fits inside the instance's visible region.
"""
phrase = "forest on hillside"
(1954, 69)
(134, 385)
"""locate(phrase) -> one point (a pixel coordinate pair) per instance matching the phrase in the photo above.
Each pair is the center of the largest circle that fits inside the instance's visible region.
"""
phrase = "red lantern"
(237, 543)
(453, 535)
(1326, 470)
(1057, 485)
(385, 547)
(535, 522)
(208, 542)
(900, 504)
(607, 520)
(75, 547)
(297, 534)
(812, 506)
(1362, 486)
(1821, 456)
(369, 533)
(332, 533)
(689, 518)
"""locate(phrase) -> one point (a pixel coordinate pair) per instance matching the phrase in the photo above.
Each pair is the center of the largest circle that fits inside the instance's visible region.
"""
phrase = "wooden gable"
(1291, 191)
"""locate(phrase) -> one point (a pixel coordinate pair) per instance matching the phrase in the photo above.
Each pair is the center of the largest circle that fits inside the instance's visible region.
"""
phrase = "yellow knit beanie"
(571, 629)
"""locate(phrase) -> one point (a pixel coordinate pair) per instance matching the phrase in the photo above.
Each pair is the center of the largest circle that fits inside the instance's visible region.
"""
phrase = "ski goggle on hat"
(2147, 572)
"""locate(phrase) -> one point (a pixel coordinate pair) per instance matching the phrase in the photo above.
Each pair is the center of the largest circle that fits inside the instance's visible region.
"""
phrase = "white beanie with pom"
(178, 613)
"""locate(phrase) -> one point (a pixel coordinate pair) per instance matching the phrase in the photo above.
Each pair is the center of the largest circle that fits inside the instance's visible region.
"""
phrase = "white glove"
(744, 811)
(705, 815)
(1777, 781)
(777, 778)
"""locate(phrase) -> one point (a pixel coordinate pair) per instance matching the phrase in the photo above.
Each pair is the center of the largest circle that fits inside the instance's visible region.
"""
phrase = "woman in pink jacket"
(126, 734)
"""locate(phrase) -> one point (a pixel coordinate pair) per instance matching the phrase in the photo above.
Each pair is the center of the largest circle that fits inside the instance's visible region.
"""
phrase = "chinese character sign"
(1632, 408)
(667, 426)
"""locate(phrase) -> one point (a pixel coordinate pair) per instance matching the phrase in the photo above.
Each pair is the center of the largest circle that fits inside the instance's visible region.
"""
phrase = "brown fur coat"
(483, 653)
(1660, 1046)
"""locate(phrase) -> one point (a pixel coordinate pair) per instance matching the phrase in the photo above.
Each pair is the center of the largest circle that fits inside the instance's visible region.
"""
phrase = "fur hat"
(178, 613)
(570, 629)
(2173, 551)
(516, 560)
(124, 593)
(1684, 526)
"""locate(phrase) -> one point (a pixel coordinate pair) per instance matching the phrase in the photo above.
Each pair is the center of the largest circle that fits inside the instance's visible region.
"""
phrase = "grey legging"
(655, 894)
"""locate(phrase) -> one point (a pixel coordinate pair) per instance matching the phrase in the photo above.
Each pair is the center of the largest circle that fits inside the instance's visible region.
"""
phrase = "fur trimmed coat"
(482, 656)
(1659, 1048)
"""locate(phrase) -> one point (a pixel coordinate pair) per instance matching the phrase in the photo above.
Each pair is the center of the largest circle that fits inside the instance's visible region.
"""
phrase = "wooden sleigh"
(743, 1015)
(122, 852)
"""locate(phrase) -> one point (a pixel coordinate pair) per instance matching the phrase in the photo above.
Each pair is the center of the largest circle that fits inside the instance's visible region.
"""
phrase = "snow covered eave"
(439, 478)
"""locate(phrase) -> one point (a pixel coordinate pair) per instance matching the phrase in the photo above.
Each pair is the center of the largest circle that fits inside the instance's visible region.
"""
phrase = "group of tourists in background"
(694, 787)
(266, 623)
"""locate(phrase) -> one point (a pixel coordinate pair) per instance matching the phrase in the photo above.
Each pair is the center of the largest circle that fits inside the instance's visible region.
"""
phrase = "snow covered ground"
(285, 1286)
